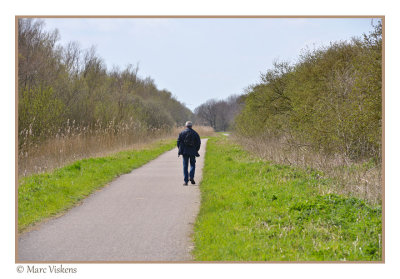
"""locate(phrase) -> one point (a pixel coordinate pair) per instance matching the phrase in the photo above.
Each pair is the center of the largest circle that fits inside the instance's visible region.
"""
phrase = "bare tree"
(218, 114)
(37, 58)
(207, 113)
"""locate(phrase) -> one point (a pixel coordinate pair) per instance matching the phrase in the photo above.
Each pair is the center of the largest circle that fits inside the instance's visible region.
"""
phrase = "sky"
(197, 59)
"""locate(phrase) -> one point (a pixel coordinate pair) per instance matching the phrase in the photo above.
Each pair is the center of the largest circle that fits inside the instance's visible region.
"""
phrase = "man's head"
(188, 124)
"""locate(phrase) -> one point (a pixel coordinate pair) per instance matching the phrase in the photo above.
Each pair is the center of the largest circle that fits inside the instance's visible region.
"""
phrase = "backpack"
(189, 139)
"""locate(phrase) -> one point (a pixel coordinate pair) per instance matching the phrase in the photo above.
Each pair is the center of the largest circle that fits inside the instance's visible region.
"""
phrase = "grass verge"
(253, 210)
(41, 196)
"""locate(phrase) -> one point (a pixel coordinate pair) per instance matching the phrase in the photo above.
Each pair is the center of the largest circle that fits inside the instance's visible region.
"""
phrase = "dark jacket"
(188, 150)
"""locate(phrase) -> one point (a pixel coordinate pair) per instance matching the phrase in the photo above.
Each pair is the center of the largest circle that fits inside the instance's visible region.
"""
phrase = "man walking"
(188, 144)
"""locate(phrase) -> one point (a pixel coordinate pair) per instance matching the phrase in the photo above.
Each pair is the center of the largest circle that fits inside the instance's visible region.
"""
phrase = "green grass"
(258, 211)
(41, 196)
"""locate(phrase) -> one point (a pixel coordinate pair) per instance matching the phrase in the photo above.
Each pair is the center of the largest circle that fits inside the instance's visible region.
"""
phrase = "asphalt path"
(146, 215)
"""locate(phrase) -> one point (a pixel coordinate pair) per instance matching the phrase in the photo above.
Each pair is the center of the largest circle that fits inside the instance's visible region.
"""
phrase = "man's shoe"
(192, 181)
(185, 184)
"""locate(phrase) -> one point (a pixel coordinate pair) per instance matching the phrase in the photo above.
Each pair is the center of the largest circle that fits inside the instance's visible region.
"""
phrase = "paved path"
(146, 215)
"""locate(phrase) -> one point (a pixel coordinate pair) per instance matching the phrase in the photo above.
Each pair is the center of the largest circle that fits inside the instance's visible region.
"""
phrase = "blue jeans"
(186, 159)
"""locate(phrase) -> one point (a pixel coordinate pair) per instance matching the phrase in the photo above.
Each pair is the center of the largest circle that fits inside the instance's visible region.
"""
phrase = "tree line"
(64, 87)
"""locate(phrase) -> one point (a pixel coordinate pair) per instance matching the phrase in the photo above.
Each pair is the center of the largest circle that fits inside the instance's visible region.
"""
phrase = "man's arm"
(178, 142)
(199, 141)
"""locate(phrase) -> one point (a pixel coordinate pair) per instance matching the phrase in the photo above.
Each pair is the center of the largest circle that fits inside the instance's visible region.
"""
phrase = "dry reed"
(203, 131)
(77, 142)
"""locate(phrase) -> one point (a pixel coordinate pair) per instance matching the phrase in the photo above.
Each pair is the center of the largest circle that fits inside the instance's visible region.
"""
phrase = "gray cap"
(188, 124)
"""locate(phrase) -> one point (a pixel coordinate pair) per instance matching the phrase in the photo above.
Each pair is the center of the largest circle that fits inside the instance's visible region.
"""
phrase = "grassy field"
(253, 210)
(44, 195)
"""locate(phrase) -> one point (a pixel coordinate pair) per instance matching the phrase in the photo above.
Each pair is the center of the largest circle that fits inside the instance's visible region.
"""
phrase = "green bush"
(330, 100)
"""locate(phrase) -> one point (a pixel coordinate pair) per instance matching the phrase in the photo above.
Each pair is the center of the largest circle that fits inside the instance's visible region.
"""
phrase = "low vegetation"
(44, 195)
(254, 210)
(361, 179)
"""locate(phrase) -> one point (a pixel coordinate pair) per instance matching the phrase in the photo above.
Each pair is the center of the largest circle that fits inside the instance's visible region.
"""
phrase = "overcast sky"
(199, 59)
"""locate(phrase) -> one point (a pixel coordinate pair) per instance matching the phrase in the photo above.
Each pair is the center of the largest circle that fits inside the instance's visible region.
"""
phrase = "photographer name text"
(49, 269)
